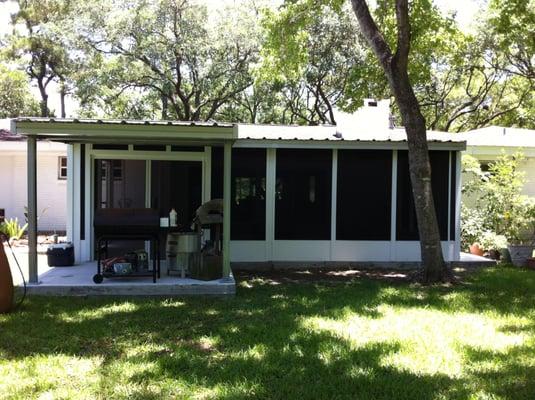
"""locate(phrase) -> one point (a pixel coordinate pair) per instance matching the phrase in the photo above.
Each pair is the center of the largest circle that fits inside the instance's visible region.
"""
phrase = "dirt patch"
(324, 275)
(318, 275)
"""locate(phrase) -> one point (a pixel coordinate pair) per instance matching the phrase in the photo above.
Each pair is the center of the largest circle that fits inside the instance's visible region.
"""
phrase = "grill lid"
(126, 220)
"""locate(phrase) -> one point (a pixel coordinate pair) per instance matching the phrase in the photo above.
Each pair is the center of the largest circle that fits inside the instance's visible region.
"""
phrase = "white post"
(76, 204)
(393, 205)
(32, 209)
(271, 171)
(334, 197)
(449, 250)
(70, 192)
(458, 194)
(227, 154)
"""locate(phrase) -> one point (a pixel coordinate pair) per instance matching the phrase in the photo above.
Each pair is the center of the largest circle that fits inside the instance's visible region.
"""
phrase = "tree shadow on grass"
(257, 344)
(302, 370)
(499, 289)
(254, 344)
(508, 375)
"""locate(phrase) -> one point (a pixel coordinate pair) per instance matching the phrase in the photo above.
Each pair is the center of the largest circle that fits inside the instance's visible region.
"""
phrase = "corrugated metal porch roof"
(149, 131)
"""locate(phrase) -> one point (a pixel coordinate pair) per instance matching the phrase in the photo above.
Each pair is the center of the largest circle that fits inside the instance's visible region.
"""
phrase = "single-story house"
(291, 194)
(52, 181)
(487, 144)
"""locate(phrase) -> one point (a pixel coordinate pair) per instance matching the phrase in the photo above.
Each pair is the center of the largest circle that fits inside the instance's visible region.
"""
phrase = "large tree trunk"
(62, 94)
(420, 173)
(43, 104)
(165, 107)
(395, 67)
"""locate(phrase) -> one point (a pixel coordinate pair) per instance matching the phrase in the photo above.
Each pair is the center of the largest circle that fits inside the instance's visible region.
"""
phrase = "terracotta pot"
(476, 249)
(6, 283)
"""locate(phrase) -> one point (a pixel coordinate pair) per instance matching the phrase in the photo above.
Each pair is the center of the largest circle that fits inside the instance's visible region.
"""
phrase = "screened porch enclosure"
(158, 184)
(290, 194)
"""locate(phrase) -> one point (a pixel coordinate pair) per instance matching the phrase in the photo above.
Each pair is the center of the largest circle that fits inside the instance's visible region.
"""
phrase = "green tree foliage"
(36, 43)
(166, 50)
(511, 26)
(252, 62)
(470, 80)
(497, 202)
(462, 80)
(15, 96)
(312, 60)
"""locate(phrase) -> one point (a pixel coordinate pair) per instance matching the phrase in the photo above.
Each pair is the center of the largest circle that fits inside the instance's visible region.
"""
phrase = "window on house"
(2, 215)
(485, 166)
(303, 195)
(117, 169)
(120, 183)
(62, 167)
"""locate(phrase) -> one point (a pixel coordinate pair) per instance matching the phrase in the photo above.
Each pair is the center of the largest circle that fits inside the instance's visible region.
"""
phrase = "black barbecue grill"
(124, 224)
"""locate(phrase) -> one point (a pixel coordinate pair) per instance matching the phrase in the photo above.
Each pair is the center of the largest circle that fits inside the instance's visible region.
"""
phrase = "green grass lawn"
(363, 339)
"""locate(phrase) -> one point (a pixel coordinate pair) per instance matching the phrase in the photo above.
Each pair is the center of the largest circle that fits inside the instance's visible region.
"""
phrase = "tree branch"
(371, 33)
(401, 56)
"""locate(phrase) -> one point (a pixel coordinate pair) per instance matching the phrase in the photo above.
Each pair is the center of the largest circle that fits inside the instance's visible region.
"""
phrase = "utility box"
(60, 255)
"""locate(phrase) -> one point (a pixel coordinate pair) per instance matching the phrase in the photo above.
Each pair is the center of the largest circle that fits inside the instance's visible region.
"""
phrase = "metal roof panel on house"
(8, 136)
(124, 122)
(335, 133)
(144, 131)
(16, 143)
(497, 136)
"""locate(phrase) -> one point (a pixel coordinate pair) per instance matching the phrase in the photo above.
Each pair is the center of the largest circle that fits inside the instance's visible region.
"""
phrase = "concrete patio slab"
(78, 281)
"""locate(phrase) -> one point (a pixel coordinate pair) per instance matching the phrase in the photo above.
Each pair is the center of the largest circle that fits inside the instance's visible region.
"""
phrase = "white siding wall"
(51, 192)
(529, 168)
(6, 184)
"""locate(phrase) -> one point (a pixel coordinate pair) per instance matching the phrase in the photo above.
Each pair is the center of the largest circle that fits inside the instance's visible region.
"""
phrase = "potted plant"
(497, 200)
(521, 233)
(12, 229)
(472, 230)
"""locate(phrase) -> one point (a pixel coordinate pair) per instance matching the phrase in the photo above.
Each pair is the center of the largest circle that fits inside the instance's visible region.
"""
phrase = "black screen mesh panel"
(364, 187)
(453, 194)
(303, 194)
(149, 147)
(110, 147)
(248, 202)
(407, 227)
(217, 173)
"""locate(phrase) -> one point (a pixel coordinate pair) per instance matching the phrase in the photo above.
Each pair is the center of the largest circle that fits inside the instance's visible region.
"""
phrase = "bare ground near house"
(343, 275)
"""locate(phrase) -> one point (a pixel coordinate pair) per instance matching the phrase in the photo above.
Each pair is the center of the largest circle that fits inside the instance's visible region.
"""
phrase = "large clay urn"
(6, 283)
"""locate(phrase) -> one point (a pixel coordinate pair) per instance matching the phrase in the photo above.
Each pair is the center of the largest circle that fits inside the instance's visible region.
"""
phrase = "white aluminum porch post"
(32, 209)
(227, 154)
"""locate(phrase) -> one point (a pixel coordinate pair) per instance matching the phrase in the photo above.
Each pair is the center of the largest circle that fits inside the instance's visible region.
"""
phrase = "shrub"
(12, 229)
(491, 241)
(472, 226)
(499, 207)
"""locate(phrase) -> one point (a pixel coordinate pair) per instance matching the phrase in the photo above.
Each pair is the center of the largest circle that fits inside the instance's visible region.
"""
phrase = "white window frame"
(62, 169)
